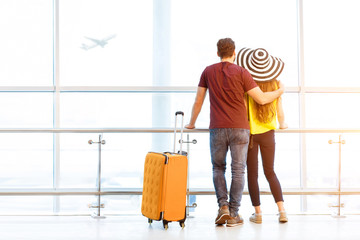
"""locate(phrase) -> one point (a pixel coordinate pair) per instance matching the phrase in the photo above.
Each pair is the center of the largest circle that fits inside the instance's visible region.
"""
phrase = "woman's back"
(262, 118)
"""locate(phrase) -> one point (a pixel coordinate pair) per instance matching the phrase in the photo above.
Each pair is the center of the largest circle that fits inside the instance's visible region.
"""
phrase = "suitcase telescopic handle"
(181, 130)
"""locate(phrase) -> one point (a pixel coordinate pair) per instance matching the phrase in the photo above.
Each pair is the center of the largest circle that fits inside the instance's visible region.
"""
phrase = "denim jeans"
(221, 139)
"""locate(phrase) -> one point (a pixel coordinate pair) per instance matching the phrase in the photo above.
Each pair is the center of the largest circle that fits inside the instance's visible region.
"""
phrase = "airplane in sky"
(97, 42)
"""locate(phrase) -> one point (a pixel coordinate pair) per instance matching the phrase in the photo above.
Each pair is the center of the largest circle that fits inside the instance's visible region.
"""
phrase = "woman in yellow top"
(265, 69)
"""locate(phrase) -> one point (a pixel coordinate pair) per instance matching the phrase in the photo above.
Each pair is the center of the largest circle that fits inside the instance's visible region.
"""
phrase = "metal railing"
(193, 191)
(162, 130)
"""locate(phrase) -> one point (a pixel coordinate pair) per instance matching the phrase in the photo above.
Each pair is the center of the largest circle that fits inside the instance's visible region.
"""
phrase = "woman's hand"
(283, 126)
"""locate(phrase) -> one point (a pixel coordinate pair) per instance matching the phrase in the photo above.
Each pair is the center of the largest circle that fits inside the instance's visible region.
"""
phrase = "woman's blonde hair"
(265, 113)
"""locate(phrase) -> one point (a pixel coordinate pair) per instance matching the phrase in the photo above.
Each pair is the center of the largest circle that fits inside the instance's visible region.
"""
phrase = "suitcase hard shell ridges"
(164, 188)
(153, 178)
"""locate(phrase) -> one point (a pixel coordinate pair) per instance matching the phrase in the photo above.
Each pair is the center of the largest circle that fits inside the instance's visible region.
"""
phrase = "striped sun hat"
(262, 66)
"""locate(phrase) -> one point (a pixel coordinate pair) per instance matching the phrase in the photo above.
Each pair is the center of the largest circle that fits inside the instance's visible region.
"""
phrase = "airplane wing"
(94, 40)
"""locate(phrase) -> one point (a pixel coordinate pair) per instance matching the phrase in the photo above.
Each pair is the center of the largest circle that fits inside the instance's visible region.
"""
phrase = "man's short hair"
(226, 47)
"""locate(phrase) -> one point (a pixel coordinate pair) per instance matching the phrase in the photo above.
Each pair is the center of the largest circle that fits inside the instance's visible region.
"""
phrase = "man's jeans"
(220, 141)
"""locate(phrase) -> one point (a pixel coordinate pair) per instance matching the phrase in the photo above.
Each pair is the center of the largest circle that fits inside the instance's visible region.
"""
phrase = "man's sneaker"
(256, 218)
(223, 215)
(283, 217)
(235, 221)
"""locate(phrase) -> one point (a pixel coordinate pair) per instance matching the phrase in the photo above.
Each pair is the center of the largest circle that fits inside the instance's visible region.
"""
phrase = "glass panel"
(128, 110)
(76, 204)
(331, 50)
(267, 24)
(290, 102)
(122, 204)
(107, 110)
(124, 158)
(351, 204)
(200, 167)
(350, 164)
(26, 160)
(320, 204)
(26, 204)
(206, 205)
(27, 43)
(321, 161)
(332, 110)
(287, 160)
(78, 160)
(102, 41)
(26, 109)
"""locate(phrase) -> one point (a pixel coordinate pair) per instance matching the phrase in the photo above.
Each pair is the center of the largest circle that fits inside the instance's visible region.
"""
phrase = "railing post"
(339, 205)
(98, 205)
(193, 205)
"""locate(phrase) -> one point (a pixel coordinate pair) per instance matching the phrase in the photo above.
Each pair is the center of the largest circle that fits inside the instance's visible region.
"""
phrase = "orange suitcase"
(165, 185)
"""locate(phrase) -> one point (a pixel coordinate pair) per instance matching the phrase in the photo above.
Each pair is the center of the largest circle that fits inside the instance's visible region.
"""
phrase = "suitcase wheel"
(165, 224)
(150, 221)
(182, 224)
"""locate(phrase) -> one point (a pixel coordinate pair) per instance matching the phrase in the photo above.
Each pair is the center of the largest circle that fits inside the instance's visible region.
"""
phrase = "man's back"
(227, 84)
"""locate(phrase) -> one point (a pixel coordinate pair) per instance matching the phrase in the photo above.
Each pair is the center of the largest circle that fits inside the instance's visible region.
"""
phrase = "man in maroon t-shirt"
(229, 128)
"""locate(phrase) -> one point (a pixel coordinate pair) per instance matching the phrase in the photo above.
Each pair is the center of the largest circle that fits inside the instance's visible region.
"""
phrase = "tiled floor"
(302, 227)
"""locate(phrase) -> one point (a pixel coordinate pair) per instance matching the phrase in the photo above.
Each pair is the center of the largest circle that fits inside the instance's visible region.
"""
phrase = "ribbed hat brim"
(261, 65)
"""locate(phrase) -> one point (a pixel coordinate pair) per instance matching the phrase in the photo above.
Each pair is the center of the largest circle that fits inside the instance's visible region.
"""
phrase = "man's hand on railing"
(190, 126)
